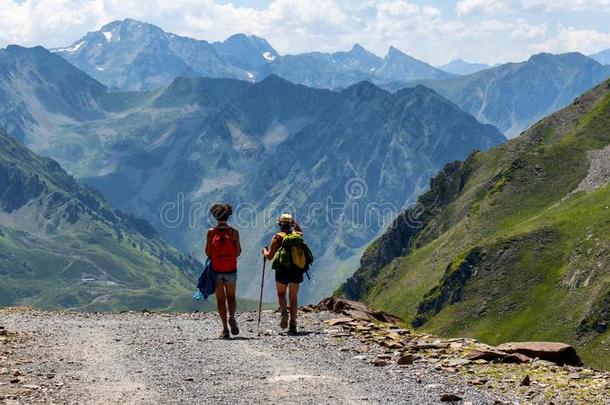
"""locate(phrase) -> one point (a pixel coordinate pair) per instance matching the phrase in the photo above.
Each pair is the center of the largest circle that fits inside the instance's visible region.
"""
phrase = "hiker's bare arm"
(207, 243)
(237, 242)
(270, 253)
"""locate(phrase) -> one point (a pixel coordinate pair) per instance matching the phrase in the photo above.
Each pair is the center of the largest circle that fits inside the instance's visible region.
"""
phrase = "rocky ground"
(346, 356)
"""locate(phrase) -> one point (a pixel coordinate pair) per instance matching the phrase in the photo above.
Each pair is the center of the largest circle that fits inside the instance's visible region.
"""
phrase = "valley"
(270, 146)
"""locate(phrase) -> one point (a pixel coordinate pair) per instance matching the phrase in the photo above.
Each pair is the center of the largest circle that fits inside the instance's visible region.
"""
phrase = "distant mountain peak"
(365, 85)
(547, 55)
(240, 36)
(392, 52)
(461, 67)
(275, 79)
(247, 52)
(125, 22)
(18, 49)
(359, 49)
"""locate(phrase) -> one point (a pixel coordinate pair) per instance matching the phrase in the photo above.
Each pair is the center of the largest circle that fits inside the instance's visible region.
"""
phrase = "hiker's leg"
(281, 295)
(231, 298)
(221, 301)
(293, 292)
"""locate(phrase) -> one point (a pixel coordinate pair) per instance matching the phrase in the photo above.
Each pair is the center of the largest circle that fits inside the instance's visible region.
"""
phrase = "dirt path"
(159, 358)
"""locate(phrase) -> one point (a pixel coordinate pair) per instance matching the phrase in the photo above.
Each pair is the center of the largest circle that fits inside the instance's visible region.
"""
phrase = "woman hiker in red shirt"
(223, 247)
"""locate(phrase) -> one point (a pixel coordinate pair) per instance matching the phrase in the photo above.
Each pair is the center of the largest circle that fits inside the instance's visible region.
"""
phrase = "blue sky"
(490, 31)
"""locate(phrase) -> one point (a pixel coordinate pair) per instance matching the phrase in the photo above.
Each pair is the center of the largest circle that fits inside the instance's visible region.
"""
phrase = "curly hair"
(221, 211)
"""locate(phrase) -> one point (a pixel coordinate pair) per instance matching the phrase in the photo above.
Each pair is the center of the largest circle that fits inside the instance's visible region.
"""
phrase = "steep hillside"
(515, 95)
(63, 246)
(512, 244)
(39, 92)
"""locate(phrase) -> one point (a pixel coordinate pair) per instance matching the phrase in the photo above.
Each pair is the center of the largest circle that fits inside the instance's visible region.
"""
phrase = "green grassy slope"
(507, 250)
(63, 246)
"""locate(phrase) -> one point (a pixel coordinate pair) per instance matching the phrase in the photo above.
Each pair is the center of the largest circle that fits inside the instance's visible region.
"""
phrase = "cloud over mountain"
(479, 30)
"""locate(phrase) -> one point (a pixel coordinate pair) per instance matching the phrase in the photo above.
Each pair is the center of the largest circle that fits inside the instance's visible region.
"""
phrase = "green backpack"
(294, 254)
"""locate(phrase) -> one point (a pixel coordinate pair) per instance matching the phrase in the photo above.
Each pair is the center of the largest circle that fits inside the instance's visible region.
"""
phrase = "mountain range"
(133, 55)
(511, 244)
(342, 69)
(263, 146)
(513, 96)
(62, 245)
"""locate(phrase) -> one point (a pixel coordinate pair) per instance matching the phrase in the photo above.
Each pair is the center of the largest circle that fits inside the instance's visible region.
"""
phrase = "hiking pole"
(260, 302)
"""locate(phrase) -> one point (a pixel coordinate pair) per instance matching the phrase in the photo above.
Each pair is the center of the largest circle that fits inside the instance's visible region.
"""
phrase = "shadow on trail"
(298, 334)
(243, 338)
(261, 337)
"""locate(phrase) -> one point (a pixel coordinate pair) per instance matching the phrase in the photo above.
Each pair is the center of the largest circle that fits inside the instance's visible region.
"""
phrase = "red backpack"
(223, 250)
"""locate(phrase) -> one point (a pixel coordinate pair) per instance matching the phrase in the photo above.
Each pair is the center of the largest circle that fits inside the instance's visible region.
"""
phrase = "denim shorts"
(227, 278)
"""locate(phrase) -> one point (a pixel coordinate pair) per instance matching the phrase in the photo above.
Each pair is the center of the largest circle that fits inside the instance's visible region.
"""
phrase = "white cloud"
(566, 5)
(495, 7)
(430, 11)
(523, 30)
(466, 7)
(398, 8)
(570, 39)
(479, 30)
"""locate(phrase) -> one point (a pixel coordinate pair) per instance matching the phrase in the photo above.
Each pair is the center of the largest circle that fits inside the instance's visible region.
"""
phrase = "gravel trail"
(150, 358)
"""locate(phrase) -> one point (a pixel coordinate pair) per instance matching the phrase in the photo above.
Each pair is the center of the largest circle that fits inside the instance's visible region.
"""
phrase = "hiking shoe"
(233, 325)
(293, 328)
(284, 320)
(225, 334)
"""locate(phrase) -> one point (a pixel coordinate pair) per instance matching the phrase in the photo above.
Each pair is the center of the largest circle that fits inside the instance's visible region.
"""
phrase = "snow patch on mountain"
(71, 49)
(268, 56)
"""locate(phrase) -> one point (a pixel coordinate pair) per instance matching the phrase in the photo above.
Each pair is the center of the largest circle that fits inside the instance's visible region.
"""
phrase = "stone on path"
(558, 353)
